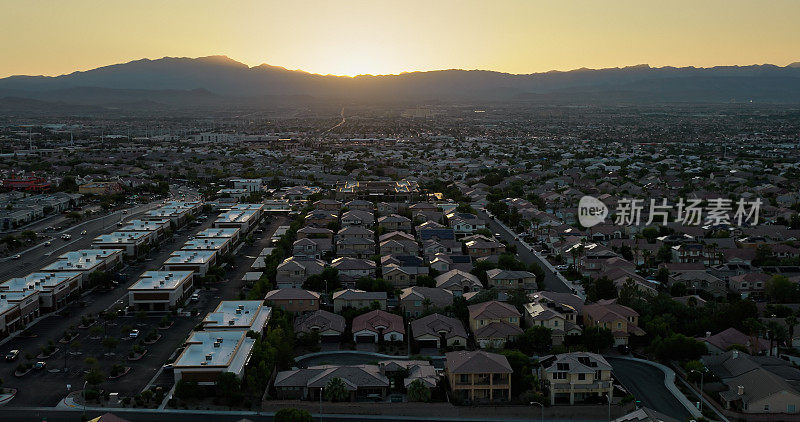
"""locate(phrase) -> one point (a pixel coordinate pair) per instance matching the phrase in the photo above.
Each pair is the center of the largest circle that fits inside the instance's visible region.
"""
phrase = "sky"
(52, 37)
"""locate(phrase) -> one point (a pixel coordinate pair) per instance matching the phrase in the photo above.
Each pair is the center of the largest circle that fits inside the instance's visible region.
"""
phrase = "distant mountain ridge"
(204, 81)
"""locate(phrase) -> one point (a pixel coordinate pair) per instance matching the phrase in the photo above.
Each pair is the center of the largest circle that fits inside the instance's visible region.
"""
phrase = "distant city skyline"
(361, 37)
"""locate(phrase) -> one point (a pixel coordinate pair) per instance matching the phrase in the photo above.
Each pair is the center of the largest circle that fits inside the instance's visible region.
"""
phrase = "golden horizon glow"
(53, 37)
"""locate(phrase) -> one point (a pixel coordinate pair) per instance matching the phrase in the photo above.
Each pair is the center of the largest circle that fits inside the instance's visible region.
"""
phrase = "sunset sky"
(51, 37)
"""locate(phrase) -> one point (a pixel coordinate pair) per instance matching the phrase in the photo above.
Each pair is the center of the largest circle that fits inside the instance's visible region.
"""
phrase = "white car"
(562, 267)
(66, 237)
(134, 333)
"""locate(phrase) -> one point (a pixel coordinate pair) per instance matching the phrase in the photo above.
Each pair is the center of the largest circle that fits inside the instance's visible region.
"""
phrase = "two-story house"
(576, 377)
(621, 320)
(494, 323)
(478, 377)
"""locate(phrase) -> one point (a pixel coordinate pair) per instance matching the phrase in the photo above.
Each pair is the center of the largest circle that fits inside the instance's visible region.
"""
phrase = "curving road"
(647, 384)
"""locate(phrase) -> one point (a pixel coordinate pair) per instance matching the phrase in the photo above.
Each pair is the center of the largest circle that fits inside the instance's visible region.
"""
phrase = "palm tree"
(335, 390)
(790, 321)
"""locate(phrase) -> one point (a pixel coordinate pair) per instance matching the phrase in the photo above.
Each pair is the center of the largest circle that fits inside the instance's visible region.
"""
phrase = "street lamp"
(702, 373)
(540, 405)
(608, 398)
(84, 398)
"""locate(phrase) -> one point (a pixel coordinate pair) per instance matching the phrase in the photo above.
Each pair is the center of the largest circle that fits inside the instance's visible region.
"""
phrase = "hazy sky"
(52, 37)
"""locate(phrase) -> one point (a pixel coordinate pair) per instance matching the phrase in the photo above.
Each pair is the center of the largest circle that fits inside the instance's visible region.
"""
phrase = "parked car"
(134, 333)
(195, 297)
(562, 267)
(12, 355)
(39, 365)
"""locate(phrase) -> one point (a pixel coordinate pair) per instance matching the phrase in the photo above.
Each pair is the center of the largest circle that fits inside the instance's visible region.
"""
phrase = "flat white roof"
(122, 237)
(240, 207)
(167, 212)
(160, 280)
(81, 260)
(145, 225)
(38, 281)
(190, 257)
(205, 244)
(239, 216)
(205, 349)
(238, 313)
(218, 232)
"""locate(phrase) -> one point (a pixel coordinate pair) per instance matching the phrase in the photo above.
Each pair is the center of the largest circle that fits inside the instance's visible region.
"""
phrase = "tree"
(186, 390)
(74, 216)
(678, 289)
(290, 414)
(110, 343)
(95, 377)
(664, 254)
(678, 347)
(597, 338)
(650, 233)
(425, 281)
(228, 385)
(335, 390)
(536, 340)
(780, 289)
(602, 288)
(418, 391)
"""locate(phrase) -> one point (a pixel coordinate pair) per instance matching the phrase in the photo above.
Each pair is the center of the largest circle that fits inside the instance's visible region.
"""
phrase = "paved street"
(29, 415)
(42, 255)
(646, 383)
(551, 280)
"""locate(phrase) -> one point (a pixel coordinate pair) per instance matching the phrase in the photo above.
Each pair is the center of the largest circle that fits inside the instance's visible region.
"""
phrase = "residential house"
(478, 377)
(436, 331)
(293, 300)
(361, 382)
(394, 222)
(494, 323)
(756, 384)
(459, 282)
(577, 377)
(418, 300)
(327, 325)
(294, 271)
(507, 280)
(540, 314)
(377, 326)
(357, 299)
(621, 320)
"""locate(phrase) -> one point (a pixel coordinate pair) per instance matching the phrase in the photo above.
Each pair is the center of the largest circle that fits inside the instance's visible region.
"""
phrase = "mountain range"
(218, 81)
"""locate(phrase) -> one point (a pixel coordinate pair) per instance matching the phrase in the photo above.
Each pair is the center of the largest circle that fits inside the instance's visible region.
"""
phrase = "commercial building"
(86, 261)
(208, 354)
(131, 243)
(243, 220)
(159, 227)
(53, 288)
(160, 291)
(246, 315)
(229, 233)
(196, 261)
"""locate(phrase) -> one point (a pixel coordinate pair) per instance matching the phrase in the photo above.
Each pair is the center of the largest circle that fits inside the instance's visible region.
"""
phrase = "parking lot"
(47, 387)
